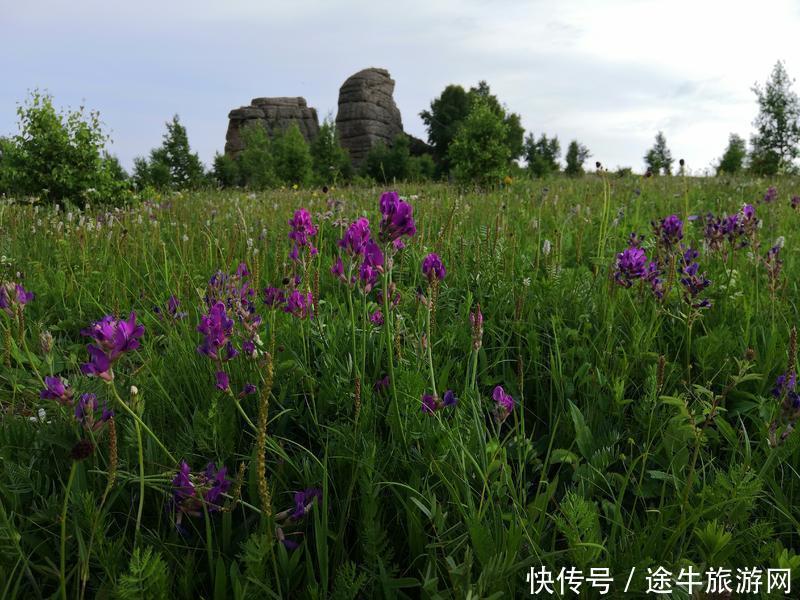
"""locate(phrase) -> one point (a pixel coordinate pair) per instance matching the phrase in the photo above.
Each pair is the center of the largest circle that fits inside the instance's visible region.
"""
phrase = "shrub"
(225, 171)
(255, 162)
(387, 164)
(59, 156)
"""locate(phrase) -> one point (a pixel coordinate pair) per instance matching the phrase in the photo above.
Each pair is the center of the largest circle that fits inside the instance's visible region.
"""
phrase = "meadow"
(200, 401)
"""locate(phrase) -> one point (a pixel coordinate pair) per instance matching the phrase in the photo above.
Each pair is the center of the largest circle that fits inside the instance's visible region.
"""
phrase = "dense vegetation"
(538, 387)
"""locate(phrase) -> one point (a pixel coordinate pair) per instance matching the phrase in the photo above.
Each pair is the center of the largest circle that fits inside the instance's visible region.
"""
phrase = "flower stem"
(387, 324)
(138, 419)
(141, 481)
(430, 343)
(63, 563)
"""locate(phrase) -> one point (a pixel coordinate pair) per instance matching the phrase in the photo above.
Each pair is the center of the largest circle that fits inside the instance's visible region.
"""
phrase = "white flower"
(526, 282)
(546, 247)
(185, 238)
(780, 242)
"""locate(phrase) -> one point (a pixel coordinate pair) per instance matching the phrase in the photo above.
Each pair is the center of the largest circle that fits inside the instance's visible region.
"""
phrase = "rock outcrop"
(275, 114)
(367, 113)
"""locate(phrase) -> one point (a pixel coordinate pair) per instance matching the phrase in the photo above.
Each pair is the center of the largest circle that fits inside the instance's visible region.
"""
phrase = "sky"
(610, 73)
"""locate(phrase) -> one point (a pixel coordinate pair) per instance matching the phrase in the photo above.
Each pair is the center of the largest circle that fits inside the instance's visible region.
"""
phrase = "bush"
(421, 168)
(225, 171)
(292, 157)
(59, 156)
(255, 162)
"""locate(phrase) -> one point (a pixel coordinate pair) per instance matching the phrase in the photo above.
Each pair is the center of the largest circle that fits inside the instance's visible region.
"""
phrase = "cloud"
(610, 73)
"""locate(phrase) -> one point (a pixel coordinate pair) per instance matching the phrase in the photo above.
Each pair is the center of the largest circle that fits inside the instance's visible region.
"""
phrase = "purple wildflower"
(99, 364)
(450, 398)
(770, 196)
(631, 265)
(376, 318)
(669, 231)
(355, 239)
(433, 268)
(274, 297)
(302, 230)
(248, 390)
(191, 491)
(795, 202)
(303, 501)
(692, 282)
(217, 328)
(115, 336)
(382, 385)
(57, 389)
(86, 412)
(223, 382)
(428, 404)
(14, 297)
(299, 304)
(397, 219)
(504, 404)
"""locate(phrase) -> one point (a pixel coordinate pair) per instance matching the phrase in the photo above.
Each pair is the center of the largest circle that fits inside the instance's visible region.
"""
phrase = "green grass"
(639, 436)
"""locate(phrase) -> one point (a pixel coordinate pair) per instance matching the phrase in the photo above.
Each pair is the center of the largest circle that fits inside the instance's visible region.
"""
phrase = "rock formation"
(275, 114)
(367, 113)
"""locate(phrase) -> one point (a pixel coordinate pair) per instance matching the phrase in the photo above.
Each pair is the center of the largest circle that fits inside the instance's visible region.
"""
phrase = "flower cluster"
(431, 403)
(668, 231)
(303, 502)
(433, 268)
(693, 282)
(359, 247)
(770, 196)
(87, 410)
(191, 492)
(786, 393)
(632, 265)
(397, 220)
(14, 297)
(302, 230)
(172, 313)
(476, 325)
(504, 404)
(56, 389)
(113, 337)
(738, 229)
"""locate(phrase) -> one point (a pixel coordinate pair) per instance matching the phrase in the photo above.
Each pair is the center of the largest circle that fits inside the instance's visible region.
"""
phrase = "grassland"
(639, 434)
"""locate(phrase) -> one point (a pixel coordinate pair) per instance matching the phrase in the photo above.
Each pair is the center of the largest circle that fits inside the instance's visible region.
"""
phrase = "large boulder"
(367, 113)
(274, 114)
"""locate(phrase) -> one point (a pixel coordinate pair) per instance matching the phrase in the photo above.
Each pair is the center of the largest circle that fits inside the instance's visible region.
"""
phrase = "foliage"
(172, 165)
(478, 153)
(776, 142)
(451, 109)
(387, 164)
(659, 158)
(225, 170)
(542, 155)
(291, 156)
(733, 158)
(256, 163)
(60, 156)
(576, 155)
(331, 162)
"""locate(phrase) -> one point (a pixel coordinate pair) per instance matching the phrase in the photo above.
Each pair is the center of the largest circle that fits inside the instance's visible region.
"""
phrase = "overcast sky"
(610, 73)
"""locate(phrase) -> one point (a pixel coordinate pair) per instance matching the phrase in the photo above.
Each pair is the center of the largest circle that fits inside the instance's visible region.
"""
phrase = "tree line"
(473, 138)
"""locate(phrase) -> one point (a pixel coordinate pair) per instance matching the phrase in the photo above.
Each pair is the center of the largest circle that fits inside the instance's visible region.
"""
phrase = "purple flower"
(669, 231)
(13, 296)
(397, 218)
(356, 237)
(86, 412)
(58, 389)
(191, 491)
(504, 404)
(303, 501)
(172, 309)
(770, 196)
(433, 268)
(795, 202)
(99, 364)
(450, 398)
(428, 404)
(376, 318)
(217, 329)
(631, 265)
(337, 270)
(274, 297)
(290, 544)
(299, 304)
(382, 385)
(115, 336)
(302, 230)
(223, 382)
(692, 282)
(248, 390)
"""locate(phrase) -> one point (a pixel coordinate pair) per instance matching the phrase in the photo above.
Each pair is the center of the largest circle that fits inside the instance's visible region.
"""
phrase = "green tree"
(225, 170)
(421, 168)
(329, 160)
(256, 165)
(479, 153)
(389, 163)
(542, 155)
(59, 155)
(292, 157)
(775, 143)
(450, 110)
(576, 155)
(733, 158)
(173, 164)
(659, 158)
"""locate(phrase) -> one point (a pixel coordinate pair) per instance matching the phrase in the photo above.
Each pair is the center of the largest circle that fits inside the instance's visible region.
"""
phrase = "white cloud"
(608, 72)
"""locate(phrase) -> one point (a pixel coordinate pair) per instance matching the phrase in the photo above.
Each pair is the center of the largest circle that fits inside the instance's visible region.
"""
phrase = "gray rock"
(275, 115)
(367, 113)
